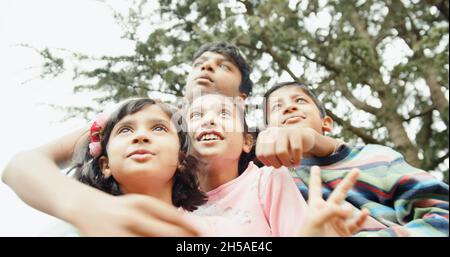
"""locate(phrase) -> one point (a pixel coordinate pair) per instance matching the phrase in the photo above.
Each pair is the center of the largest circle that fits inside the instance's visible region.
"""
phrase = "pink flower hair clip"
(95, 148)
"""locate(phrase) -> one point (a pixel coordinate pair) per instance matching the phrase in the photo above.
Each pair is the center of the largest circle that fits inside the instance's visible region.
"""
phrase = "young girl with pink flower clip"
(141, 152)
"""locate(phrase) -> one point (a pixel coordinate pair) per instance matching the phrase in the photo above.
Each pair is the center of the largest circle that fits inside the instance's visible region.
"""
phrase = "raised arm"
(36, 178)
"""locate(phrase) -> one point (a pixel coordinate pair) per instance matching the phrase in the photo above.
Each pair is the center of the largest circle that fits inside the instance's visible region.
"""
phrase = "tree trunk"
(399, 137)
(437, 97)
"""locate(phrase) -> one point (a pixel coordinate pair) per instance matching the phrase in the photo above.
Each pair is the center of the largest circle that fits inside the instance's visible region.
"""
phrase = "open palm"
(330, 218)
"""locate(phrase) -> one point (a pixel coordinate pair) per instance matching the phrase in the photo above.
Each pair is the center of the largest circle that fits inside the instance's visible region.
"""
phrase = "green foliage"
(53, 66)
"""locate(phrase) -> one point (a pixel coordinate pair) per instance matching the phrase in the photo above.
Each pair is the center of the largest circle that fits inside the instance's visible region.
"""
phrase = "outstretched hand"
(131, 215)
(331, 218)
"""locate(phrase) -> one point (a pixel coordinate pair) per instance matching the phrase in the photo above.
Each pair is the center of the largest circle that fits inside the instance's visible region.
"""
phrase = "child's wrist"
(324, 145)
(337, 145)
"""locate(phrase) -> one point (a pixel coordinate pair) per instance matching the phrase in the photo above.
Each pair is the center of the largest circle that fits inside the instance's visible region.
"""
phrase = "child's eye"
(160, 128)
(301, 100)
(195, 115)
(225, 113)
(124, 130)
(197, 64)
(224, 67)
(276, 107)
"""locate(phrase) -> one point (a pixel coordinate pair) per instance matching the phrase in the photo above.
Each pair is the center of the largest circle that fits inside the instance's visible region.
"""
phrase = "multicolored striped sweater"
(402, 200)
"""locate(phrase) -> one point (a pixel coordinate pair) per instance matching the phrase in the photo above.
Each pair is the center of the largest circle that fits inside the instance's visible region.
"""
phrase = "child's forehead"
(211, 101)
(149, 112)
(215, 56)
(288, 92)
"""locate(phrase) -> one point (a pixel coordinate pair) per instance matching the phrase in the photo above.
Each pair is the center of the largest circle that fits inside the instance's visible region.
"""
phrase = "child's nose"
(209, 120)
(141, 137)
(207, 65)
(291, 108)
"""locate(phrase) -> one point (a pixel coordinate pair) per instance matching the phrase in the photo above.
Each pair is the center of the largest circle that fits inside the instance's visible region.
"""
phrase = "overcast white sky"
(80, 25)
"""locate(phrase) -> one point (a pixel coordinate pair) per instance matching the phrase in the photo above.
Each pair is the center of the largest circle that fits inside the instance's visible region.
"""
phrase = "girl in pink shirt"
(260, 201)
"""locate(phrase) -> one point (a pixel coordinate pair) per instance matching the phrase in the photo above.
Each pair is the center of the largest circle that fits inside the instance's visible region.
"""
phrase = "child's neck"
(160, 192)
(217, 173)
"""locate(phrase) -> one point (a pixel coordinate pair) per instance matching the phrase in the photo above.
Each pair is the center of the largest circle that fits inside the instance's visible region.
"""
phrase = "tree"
(342, 48)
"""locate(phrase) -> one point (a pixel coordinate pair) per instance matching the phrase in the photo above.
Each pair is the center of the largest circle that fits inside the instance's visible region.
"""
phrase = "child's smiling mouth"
(209, 136)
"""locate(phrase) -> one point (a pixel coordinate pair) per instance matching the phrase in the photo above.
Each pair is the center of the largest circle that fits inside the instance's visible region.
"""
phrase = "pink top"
(260, 202)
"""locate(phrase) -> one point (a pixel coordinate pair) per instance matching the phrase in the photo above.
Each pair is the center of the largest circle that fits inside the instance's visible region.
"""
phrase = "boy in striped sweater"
(402, 200)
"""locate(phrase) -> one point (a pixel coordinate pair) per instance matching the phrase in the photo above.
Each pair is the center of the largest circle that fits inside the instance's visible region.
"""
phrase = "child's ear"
(104, 166)
(248, 142)
(327, 124)
(243, 96)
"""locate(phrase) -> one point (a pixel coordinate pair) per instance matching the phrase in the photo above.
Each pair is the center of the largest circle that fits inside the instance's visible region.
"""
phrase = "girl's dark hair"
(231, 51)
(246, 158)
(185, 191)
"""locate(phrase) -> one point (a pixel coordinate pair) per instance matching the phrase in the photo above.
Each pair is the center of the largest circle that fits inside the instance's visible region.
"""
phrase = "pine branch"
(415, 115)
(438, 161)
(275, 57)
(352, 99)
(269, 49)
(368, 139)
(441, 5)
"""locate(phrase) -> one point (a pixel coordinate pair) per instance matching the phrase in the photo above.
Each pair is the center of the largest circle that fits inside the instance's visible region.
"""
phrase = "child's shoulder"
(380, 150)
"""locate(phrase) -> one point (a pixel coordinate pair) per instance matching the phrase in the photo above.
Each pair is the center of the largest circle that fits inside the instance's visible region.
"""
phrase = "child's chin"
(209, 153)
(142, 169)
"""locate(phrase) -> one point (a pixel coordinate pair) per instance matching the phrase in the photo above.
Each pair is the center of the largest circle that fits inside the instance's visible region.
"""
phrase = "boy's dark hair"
(305, 89)
(185, 191)
(232, 52)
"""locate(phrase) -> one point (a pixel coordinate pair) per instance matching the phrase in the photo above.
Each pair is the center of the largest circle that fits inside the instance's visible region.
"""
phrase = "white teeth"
(208, 137)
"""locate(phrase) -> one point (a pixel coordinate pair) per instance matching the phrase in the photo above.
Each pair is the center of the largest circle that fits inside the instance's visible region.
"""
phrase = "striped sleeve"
(418, 199)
